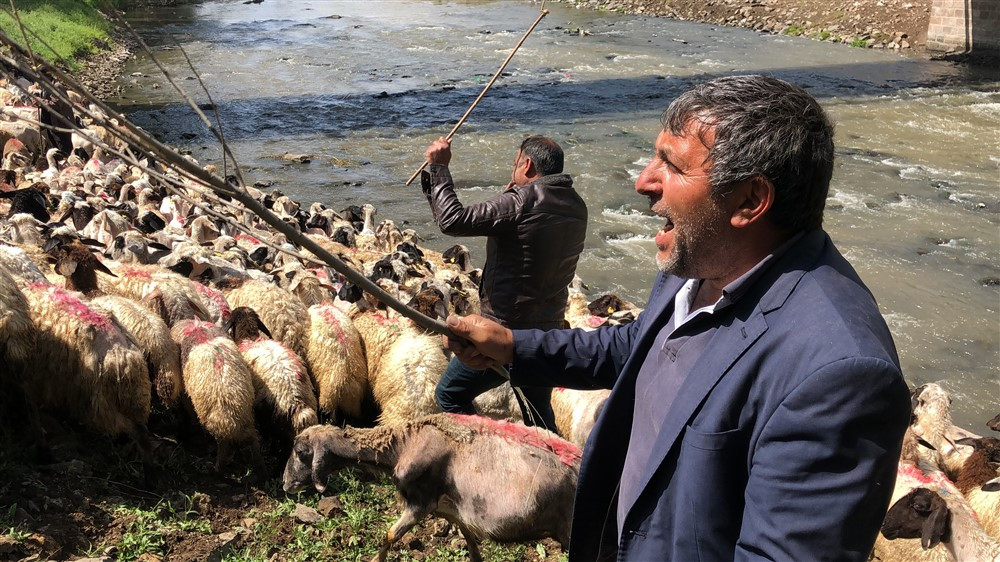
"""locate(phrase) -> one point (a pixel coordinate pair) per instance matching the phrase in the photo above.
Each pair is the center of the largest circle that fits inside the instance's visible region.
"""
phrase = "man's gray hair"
(763, 127)
(545, 154)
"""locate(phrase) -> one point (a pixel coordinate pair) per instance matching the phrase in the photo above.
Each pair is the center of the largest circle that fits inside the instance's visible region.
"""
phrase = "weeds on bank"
(71, 27)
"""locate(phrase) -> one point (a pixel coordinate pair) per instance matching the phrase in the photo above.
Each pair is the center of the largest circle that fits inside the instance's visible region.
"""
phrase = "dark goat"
(994, 423)
(449, 465)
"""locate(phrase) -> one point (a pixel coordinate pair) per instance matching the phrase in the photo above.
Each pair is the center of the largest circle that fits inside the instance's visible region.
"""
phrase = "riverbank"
(899, 25)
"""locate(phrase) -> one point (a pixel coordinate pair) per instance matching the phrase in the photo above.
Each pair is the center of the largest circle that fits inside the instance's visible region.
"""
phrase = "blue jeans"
(460, 385)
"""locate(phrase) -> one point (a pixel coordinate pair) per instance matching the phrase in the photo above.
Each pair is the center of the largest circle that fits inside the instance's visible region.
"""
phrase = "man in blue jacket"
(758, 407)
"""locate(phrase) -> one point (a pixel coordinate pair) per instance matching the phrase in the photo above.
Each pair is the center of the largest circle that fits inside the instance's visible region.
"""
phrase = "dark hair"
(763, 127)
(545, 154)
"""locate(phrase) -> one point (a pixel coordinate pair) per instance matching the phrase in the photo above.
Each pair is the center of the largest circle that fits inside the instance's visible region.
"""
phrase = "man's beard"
(697, 246)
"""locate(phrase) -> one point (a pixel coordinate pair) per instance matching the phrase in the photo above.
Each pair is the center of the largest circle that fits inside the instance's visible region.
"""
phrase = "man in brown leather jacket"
(535, 232)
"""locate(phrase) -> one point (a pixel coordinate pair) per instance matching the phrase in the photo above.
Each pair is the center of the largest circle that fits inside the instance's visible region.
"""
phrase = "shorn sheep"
(280, 379)
(576, 412)
(449, 465)
(220, 386)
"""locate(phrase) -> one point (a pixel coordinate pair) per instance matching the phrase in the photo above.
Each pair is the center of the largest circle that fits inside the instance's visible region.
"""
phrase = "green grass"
(823, 35)
(793, 30)
(860, 43)
(72, 28)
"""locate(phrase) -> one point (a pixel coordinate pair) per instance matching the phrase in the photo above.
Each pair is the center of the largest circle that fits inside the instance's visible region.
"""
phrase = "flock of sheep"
(119, 297)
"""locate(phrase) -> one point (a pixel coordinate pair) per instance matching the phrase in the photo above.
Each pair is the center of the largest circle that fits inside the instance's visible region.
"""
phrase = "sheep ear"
(230, 327)
(263, 329)
(441, 309)
(320, 467)
(992, 486)
(936, 526)
(103, 268)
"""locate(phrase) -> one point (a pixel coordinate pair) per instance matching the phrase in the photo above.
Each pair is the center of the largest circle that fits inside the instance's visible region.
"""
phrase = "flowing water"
(365, 86)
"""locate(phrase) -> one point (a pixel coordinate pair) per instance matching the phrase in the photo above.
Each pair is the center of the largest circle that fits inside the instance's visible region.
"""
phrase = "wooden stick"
(543, 13)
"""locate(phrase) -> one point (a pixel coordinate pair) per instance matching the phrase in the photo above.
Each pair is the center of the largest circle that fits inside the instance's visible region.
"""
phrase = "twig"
(543, 13)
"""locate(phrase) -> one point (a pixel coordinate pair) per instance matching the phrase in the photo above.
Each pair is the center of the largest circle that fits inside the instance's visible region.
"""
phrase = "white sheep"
(935, 513)
(576, 412)
(81, 352)
(449, 465)
(220, 385)
(404, 366)
(280, 379)
(282, 312)
(337, 361)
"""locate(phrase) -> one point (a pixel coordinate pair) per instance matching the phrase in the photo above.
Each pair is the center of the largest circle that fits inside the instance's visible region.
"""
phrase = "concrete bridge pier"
(965, 26)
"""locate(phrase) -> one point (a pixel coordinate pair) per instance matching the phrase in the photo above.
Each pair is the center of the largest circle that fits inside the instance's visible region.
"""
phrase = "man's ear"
(529, 166)
(751, 199)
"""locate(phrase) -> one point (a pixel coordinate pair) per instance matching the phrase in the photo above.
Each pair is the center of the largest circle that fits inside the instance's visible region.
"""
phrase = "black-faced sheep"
(940, 516)
(449, 465)
(281, 382)
(220, 386)
(282, 312)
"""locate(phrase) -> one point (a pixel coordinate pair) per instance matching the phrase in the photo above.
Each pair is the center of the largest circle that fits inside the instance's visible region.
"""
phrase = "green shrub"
(860, 43)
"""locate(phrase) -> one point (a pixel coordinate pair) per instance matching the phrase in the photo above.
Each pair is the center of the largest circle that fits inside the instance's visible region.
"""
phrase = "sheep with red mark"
(404, 366)
(337, 361)
(448, 465)
(179, 298)
(939, 516)
(220, 385)
(92, 356)
(282, 312)
(79, 266)
(281, 382)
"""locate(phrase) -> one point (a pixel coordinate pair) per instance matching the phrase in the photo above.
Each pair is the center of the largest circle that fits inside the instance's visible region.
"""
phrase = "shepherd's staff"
(543, 13)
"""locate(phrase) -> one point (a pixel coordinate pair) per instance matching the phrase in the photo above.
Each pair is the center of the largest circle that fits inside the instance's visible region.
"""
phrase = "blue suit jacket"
(782, 442)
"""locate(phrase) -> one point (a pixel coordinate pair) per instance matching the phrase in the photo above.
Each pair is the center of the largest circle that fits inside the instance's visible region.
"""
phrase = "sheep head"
(245, 324)
(317, 452)
(921, 513)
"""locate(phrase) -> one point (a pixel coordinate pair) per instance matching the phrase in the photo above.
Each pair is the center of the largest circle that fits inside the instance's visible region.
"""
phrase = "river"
(365, 86)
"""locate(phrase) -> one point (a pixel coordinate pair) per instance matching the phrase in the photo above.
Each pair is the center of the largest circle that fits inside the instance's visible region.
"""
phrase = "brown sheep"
(449, 465)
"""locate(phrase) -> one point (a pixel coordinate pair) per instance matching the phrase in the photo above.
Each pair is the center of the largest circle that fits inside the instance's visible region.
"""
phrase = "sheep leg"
(410, 517)
(140, 435)
(224, 453)
(470, 540)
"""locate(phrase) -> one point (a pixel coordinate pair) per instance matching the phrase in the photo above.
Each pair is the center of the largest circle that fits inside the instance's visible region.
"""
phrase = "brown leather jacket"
(535, 236)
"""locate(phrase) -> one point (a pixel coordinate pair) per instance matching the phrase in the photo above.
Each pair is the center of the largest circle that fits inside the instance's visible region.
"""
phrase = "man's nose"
(645, 183)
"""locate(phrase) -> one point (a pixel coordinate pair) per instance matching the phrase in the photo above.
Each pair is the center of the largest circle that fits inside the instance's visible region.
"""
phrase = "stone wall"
(965, 25)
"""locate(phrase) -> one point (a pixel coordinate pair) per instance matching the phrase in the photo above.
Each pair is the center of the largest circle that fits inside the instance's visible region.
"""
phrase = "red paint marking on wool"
(319, 273)
(594, 321)
(219, 361)
(75, 307)
(127, 271)
(568, 453)
(198, 333)
(247, 238)
(215, 296)
(329, 315)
